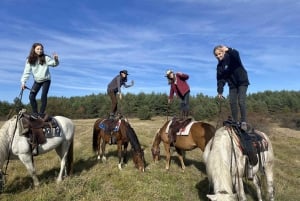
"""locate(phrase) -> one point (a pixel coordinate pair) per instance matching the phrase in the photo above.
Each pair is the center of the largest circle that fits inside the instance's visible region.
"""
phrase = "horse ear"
(212, 197)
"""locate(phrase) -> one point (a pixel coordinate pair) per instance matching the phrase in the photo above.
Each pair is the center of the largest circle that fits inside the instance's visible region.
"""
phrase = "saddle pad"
(108, 127)
(54, 131)
(185, 130)
(168, 126)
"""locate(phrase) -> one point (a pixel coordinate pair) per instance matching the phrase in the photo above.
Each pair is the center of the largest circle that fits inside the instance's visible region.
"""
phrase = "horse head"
(138, 152)
(139, 160)
(155, 150)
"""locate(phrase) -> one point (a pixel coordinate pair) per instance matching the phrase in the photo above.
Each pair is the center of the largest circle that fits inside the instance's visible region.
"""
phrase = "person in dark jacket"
(230, 70)
(114, 88)
(179, 86)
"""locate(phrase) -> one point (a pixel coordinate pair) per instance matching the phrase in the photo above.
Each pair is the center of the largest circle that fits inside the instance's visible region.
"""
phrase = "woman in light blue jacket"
(38, 64)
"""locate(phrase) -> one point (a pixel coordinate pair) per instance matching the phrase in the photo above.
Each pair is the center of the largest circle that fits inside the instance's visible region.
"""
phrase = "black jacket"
(232, 71)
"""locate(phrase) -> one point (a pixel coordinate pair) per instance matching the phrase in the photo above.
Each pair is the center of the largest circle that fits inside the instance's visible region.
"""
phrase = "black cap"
(124, 71)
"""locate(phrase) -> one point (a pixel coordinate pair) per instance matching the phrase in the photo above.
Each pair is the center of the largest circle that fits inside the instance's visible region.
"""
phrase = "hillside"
(93, 180)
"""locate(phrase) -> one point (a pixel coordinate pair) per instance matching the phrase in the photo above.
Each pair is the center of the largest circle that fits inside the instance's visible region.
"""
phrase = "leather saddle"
(38, 130)
(175, 126)
(251, 142)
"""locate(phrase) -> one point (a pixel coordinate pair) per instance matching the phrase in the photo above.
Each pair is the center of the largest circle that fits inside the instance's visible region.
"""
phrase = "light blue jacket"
(40, 72)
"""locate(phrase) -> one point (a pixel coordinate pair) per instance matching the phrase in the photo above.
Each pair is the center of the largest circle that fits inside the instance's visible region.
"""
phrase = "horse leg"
(270, 183)
(168, 155)
(125, 153)
(62, 151)
(120, 156)
(28, 162)
(239, 186)
(257, 185)
(99, 147)
(103, 145)
(180, 157)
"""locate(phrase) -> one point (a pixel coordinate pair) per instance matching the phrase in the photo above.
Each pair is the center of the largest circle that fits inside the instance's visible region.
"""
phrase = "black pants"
(184, 105)
(237, 97)
(34, 91)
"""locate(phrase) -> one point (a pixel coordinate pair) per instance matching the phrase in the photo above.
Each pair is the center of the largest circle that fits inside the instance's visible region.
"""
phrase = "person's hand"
(23, 86)
(132, 82)
(55, 56)
(120, 96)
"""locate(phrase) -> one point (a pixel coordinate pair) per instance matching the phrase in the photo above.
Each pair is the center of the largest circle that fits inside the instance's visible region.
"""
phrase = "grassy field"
(94, 180)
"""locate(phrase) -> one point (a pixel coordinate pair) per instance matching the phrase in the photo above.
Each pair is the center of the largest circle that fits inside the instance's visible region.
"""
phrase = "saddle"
(177, 124)
(109, 126)
(252, 143)
(37, 130)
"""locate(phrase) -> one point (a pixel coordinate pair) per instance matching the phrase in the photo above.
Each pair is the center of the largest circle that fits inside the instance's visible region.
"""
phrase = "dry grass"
(93, 180)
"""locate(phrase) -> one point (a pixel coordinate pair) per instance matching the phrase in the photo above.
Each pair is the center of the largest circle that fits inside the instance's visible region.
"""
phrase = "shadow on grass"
(20, 184)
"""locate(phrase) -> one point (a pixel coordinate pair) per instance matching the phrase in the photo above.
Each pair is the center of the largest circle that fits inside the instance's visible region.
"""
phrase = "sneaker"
(34, 116)
(244, 126)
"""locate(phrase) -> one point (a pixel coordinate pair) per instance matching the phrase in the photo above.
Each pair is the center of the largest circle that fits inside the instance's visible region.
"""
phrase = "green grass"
(94, 180)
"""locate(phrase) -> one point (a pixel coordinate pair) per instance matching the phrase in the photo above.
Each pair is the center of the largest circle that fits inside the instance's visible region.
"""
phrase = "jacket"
(40, 72)
(179, 86)
(231, 70)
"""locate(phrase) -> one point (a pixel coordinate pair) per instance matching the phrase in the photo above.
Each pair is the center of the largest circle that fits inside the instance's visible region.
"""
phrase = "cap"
(168, 73)
(124, 71)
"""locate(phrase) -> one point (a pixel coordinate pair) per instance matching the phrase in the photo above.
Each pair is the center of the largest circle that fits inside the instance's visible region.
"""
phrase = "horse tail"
(95, 138)
(69, 162)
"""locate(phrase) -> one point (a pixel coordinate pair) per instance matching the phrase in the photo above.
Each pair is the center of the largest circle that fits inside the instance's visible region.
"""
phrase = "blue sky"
(96, 39)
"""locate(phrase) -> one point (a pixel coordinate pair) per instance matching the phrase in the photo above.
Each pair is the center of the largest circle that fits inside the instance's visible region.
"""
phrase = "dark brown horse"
(199, 135)
(117, 132)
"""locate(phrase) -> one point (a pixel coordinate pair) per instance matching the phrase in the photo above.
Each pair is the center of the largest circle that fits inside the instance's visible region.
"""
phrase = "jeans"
(34, 91)
(237, 97)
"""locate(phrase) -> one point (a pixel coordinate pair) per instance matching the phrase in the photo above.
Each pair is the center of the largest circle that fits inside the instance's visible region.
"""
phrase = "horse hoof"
(120, 166)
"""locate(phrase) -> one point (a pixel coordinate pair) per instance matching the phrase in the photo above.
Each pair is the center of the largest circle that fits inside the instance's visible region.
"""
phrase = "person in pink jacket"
(179, 86)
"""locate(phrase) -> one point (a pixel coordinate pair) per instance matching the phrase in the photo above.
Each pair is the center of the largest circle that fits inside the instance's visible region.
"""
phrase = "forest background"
(280, 106)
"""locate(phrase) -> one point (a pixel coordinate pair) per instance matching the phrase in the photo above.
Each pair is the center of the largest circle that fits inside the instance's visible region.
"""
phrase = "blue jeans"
(237, 97)
(34, 91)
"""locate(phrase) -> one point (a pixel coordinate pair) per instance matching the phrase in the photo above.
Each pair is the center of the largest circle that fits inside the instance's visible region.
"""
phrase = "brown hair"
(33, 57)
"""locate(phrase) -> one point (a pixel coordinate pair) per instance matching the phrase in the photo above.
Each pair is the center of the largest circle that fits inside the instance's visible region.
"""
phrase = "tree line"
(145, 106)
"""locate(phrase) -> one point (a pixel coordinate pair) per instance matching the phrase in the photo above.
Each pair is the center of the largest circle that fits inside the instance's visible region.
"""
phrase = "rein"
(15, 128)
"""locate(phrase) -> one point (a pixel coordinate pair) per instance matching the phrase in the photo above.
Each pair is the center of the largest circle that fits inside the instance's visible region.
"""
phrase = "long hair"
(33, 57)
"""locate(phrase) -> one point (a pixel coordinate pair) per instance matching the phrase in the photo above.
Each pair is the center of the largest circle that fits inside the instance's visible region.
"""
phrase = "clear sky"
(95, 39)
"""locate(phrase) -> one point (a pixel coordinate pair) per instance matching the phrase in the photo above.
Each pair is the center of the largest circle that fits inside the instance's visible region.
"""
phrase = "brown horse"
(199, 135)
(117, 132)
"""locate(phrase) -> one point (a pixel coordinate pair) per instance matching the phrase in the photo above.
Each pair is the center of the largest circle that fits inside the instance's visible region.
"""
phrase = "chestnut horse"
(199, 135)
(117, 132)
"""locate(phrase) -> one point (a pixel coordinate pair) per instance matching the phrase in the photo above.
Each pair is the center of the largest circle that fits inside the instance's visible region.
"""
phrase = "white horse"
(14, 145)
(225, 167)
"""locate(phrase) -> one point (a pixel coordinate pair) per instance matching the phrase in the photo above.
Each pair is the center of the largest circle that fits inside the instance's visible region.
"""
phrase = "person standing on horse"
(179, 86)
(114, 88)
(231, 70)
(38, 64)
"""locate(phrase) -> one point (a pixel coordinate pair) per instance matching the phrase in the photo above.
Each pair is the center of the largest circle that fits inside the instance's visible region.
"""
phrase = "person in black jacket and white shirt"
(230, 70)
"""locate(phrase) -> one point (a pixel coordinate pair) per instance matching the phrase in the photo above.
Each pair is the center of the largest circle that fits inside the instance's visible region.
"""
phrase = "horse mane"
(219, 159)
(132, 137)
